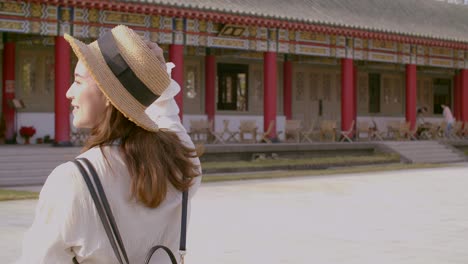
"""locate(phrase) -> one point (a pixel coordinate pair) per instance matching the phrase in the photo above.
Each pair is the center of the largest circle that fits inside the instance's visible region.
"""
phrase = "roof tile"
(412, 17)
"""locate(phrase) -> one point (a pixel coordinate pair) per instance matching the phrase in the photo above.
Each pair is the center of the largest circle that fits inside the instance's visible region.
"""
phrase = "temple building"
(265, 61)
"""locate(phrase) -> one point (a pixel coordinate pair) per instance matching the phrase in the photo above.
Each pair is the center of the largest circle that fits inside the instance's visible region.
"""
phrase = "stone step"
(412, 143)
(26, 172)
(422, 148)
(37, 161)
(435, 155)
(24, 176)
(20, 171)
(26, 162)
(440, 152)
(30, 180)
(426, 151)
(37, 153)
(31, 165)
(437, 160)
(31, 162)
(21, 151)
(440, 148)
(415, 143)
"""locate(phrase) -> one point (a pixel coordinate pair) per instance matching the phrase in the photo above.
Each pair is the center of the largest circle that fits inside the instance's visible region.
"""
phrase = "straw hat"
(126, 70)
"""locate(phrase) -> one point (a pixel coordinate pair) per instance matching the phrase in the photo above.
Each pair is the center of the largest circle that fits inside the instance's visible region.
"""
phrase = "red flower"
(27, 131)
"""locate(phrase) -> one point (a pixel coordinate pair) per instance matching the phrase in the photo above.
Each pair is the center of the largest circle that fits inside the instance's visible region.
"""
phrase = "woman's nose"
(69, 94)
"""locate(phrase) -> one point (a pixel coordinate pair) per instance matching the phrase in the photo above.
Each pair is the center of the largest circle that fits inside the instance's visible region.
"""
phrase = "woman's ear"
(107, 102)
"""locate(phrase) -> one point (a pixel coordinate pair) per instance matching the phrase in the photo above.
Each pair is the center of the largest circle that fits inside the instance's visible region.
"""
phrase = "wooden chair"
(376, 134)
(434, 131)
(292, 131)
(265, 136)
(404, 131)
(461, 132)
(345, 135)
(218, 136)
(413, 133)
(457, 130)
(328, 129)
(442, 129)
(200, 130)
(363, 127)
(231, 135)
(465, 130)
(393, 128)
(307, 135)
(424, 130)
(248, 127)
(226, 135)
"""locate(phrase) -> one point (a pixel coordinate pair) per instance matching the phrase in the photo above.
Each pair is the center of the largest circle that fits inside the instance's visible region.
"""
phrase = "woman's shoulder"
(63, 173)
(62, 184)
(101, 155)
(96, 153)
(67, 176)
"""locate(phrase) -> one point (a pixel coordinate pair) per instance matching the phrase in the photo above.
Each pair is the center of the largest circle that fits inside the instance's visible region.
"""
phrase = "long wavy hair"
(154, 159)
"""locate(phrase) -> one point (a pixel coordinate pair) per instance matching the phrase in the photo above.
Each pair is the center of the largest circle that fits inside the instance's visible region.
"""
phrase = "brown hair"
(152, 158)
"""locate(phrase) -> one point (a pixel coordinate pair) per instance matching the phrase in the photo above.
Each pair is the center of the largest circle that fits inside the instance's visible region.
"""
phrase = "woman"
(139, 148)
(448, 118)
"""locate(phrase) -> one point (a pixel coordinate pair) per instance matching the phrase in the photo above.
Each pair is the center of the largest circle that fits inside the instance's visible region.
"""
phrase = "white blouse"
(66, 223)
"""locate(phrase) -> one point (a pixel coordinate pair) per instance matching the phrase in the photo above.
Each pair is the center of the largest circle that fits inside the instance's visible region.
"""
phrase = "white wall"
(44, 123)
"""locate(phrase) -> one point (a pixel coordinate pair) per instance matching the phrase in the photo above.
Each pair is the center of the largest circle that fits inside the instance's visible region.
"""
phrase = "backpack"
(108, 221)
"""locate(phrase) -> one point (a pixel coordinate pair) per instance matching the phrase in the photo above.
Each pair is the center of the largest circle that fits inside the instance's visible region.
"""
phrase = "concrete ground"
(404, 217)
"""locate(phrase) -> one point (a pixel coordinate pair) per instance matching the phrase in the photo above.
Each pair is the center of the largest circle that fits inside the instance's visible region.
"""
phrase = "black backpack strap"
(107, 218)
(168, 251)
(183, 226)
(183, 236)
(102, 206)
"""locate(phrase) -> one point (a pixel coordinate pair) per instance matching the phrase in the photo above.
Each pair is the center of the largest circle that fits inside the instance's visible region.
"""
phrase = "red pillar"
(176, 55)
(8, 92)
(62, 83)
(355, 72)
(464, 94)
(287, 85)
(210, 79)
(456, 96)
(270, 94)
(347, 93)
(411, 94)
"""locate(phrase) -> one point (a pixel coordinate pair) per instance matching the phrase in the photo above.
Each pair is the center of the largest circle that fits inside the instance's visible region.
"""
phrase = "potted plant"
(26, 132)
(47, 139)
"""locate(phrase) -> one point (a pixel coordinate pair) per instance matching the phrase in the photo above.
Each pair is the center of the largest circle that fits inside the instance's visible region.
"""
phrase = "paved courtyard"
(404, 217)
